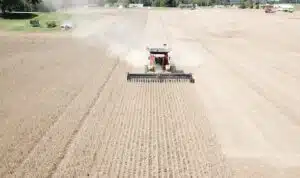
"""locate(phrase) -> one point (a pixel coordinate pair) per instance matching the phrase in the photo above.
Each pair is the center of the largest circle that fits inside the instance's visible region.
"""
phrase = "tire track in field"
(81, 155)
(59, 114)
(106, 148)
(75, 131)
(85, 115)
(20, 157)
(45, 164)
(72, 164)
(105, 134)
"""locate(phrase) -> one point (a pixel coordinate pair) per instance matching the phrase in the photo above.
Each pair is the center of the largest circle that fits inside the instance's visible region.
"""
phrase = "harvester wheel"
(128, 77)
(173, 68)
(192, 80)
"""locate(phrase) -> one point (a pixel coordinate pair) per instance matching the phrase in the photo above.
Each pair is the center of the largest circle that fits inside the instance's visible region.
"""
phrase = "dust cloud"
(188, 54)
(126, 33)
(117, 30)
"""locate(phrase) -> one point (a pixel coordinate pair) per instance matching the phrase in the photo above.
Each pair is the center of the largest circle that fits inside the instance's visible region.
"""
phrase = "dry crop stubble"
(263, 75)
(255, 76)
(42, 163)
(95, 135)
(266, 94)
(143, 136)
(172, 117)
(32, 90)
(111, 156)
(166, 157)
(26, 44)
(286, 114)
(105, 159)
(215, 163)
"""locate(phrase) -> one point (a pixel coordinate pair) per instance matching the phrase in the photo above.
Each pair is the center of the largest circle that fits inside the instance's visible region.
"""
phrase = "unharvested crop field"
(66, 109)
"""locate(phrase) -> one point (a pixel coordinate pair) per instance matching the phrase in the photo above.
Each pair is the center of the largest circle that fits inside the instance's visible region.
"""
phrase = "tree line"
(171, 3)
(176, 3)
(18, 5)
(38, 5)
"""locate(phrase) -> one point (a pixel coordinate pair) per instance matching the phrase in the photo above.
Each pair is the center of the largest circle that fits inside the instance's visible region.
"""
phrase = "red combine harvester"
(160, 68)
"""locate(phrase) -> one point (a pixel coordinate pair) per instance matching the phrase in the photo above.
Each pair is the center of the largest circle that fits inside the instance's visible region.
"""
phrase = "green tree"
(9, 5)
(198, 2)
(212, 2)
(112, 1)
(250, 4)
(162, 3)
(243, 4)
(170, 3)
(257, 4)
(159, 3)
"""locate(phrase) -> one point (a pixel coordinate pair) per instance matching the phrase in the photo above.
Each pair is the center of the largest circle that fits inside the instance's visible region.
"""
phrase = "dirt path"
(67, 110)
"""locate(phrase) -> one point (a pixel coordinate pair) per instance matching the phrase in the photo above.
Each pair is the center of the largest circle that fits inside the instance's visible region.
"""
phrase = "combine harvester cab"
(160, 69)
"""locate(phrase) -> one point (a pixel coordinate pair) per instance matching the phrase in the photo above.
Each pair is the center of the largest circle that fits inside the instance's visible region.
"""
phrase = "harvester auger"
(160, 69)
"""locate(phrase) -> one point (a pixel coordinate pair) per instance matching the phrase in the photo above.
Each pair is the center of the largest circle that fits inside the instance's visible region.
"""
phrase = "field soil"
(66, 109)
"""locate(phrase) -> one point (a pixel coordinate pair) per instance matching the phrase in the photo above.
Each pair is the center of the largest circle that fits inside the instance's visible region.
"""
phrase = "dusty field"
(66, 109)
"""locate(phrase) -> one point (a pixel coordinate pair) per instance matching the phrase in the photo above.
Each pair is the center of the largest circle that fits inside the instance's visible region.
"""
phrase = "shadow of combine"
(18, 15)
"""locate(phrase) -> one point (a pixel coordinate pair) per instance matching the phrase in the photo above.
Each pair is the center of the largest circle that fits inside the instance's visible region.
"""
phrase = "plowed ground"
(66, 109)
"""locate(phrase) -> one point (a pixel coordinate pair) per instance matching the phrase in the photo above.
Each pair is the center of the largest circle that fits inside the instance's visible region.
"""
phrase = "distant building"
(266, 1)
(254, 1)
(136, 5)
(234, 1)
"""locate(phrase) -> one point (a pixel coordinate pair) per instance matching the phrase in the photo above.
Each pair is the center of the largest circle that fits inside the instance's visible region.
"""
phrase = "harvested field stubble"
(152, 137)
